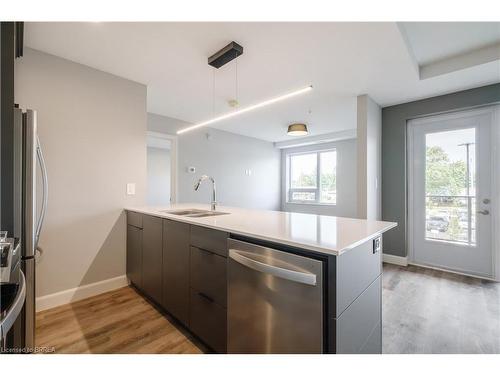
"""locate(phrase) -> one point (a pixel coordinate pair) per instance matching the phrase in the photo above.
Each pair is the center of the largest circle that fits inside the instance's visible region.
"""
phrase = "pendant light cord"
(236, 81)
(213, 93)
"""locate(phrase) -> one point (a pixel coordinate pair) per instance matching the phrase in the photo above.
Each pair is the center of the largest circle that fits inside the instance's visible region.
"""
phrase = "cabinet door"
(152, 257)
(134, 255)
(176, 269)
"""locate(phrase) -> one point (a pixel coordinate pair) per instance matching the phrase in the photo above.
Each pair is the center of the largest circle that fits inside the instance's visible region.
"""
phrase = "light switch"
(130, 188)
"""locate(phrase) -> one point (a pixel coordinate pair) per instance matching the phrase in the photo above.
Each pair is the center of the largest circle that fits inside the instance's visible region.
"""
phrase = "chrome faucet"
(214, 194)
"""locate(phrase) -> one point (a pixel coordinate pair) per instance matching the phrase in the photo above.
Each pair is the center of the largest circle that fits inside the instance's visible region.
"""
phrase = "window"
(450, 186)
(312, 177)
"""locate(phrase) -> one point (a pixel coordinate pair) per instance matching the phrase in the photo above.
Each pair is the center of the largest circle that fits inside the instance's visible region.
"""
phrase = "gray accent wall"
(225, 156)
(394, 179)
(92, 127)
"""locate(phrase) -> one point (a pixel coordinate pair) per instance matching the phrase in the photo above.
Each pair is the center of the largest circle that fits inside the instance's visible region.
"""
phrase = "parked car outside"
(438, 223)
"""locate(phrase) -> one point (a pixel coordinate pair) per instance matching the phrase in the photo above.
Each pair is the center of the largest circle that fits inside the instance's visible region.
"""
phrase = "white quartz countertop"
(330, 235)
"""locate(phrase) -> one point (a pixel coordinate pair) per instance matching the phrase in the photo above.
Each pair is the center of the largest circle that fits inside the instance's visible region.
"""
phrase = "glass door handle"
(483, 212)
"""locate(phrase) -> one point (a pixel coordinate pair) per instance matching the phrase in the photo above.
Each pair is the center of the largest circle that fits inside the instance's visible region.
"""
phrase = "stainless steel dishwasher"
(275, 301)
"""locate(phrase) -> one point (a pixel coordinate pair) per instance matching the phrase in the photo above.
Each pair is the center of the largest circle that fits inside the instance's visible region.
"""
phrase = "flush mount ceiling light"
(248, 109)
(297, 129)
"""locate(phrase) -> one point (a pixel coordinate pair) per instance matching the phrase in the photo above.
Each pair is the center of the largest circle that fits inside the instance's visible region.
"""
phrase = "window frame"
(317, 189)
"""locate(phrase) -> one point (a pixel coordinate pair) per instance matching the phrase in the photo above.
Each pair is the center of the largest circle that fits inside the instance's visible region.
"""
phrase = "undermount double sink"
(194, 212)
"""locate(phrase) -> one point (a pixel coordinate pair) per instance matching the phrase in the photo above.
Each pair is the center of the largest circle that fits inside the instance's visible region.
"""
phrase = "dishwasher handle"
(299, 277)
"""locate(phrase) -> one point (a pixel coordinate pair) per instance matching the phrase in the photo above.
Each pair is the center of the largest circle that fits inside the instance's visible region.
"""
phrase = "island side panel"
(358, 318)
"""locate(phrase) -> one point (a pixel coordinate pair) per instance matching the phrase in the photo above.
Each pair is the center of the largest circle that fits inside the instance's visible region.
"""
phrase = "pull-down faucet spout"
(213, 204)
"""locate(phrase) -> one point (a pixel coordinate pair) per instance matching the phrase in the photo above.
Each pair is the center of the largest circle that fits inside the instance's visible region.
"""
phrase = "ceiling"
(340, 59)
(435, 41)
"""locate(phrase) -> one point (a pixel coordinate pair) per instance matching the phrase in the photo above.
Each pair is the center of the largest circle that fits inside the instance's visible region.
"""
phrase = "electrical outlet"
(376, 245)
(130, 188)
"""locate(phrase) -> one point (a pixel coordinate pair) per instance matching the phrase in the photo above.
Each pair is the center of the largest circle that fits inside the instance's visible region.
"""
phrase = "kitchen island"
(253, 281)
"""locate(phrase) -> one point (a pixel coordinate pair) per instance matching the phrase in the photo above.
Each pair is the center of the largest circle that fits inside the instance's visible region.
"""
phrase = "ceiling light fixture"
(247, 109)
(297, 129)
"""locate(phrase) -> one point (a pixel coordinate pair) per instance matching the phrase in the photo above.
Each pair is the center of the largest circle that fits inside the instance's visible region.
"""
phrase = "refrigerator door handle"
(45, 190)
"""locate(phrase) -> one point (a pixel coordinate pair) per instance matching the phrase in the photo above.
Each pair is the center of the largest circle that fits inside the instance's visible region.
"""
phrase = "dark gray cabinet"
(134, 248)
(208, 321)
(208, 275)
(187, 281)
(134, 255)
(209, 239)
(152, 257)
(134, 219)
(176, 269)
(208, 287)
(183, 268)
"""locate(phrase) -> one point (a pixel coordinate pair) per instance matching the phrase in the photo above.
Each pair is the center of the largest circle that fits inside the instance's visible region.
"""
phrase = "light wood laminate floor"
(120, 321)
(424, 311)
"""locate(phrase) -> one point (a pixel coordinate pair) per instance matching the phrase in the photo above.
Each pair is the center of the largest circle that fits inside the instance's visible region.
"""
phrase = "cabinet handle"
(203, 295)
(206, 251)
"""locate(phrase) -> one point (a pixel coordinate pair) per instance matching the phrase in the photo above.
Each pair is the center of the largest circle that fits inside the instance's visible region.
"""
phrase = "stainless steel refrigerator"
(23, 183)
(30, 200)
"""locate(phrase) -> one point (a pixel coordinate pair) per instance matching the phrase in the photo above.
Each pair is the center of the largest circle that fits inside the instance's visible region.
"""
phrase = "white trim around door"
(173, 161)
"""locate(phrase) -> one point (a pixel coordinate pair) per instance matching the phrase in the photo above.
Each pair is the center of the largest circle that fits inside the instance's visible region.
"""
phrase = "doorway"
(451, 192)
(161, 169)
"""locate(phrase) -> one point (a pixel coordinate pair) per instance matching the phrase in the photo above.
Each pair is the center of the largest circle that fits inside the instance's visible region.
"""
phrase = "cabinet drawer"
(208, 274)
(209, 239)
(134, 218)
(356, 270)
(208, 321)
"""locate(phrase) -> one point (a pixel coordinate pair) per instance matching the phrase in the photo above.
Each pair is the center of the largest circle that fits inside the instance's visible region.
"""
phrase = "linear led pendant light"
(221, 58)
(247, 109)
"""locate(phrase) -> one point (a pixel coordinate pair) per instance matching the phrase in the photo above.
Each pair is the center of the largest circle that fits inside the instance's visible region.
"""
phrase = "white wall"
(369, 130)
(226, 157)
(158, 176)
(92, 126)
(346, 180)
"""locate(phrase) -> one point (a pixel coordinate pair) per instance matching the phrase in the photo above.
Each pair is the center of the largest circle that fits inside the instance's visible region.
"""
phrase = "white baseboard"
(72, 295)
(394, 259)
